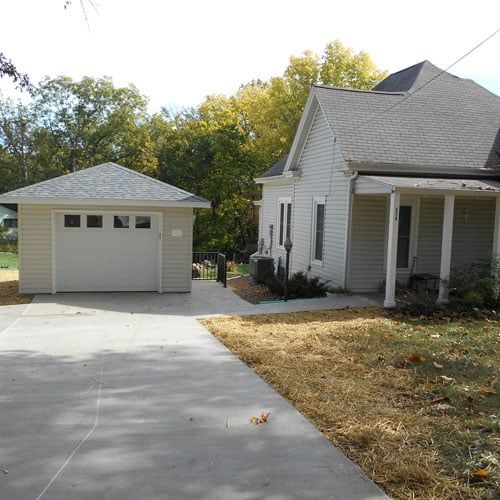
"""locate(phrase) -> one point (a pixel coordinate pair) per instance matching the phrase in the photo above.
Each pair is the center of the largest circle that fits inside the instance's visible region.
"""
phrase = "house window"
(143, 222)
(10, 223)
(404, 236)
(284, 220)
(71, 220)
(318, 229)
(121, 221)
(94, 220)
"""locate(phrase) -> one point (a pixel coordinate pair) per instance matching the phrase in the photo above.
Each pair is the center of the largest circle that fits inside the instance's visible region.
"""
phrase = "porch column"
(444, 274)
(496, 234)
(392, 251)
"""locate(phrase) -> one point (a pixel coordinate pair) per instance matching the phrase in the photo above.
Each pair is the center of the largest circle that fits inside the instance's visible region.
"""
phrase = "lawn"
(8, 260)
(412, 402)
(240, 270)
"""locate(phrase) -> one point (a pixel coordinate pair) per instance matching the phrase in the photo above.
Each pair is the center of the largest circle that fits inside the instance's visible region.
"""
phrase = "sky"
(177, 52)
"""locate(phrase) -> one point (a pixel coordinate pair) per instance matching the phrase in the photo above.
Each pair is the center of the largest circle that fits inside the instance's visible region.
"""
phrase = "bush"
(475, 286)
(299, 286)
(424, 304)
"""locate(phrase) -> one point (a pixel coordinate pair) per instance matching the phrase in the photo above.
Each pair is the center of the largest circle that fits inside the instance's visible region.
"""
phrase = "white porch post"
(444, 274)
(496, 233)
(392, 251)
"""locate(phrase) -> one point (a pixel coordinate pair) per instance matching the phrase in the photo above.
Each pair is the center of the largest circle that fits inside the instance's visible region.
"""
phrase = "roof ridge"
(366, 91)
(140, 174)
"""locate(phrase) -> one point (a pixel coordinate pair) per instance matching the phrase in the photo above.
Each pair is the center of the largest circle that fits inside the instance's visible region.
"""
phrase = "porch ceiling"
(378, 184)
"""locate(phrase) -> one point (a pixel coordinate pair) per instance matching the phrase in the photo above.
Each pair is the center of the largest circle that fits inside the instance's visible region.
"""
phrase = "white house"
(383, 184)
(8, 219)
(105, 228)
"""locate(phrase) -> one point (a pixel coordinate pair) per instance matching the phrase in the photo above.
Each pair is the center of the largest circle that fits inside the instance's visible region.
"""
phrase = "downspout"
(347, 238)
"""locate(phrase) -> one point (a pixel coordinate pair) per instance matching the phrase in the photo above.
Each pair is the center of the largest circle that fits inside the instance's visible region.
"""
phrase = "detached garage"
(105, 228)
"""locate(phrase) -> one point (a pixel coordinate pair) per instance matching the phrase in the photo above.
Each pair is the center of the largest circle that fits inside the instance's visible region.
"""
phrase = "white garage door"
(106, 251)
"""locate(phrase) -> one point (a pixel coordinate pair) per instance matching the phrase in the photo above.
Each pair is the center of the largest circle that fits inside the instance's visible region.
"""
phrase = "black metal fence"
(209, 266)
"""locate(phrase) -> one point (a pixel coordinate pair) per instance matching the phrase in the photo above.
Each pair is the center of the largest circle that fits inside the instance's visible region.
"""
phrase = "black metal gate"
(209, 266)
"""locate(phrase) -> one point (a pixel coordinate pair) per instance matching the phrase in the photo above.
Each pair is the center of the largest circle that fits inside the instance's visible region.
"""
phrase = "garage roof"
(107, 183)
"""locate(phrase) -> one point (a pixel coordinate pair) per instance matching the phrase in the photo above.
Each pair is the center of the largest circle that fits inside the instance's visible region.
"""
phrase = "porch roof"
(378, 184)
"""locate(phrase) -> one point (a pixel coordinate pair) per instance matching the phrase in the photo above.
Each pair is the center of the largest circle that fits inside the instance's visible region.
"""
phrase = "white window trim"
(285, 200)
(317, 200)
(415, 223)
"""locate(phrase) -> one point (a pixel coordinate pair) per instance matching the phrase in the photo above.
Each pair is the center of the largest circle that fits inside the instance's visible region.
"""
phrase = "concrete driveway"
(127, 396)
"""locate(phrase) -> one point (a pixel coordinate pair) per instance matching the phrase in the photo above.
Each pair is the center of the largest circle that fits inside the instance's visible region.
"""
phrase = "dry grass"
(9, 289)
(416, 434)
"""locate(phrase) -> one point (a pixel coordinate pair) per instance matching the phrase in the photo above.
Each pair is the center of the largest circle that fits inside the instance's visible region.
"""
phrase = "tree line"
(213, 150)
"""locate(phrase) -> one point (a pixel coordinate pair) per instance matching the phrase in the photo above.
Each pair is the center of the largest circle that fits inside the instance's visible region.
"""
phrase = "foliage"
(214, 150)
(8, 260)
(21, 80)
(475, 284)
(300, 285)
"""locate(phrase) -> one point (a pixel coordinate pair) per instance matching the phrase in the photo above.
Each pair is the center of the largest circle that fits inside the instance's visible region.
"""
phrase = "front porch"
(402, 227)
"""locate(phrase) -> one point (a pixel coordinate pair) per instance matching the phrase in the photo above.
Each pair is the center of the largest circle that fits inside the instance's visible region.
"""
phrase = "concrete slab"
(172, 407)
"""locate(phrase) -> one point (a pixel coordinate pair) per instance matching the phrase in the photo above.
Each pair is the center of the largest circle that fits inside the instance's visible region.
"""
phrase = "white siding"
(35, 246)
(321, 175)
(472, 238)
(472, 230)
(269, 215)
(430, 235)
(368, 233)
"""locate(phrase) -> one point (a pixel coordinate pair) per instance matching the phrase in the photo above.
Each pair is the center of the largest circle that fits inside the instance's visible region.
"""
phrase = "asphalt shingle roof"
(277, 168)
(451, 122)
(107, 181)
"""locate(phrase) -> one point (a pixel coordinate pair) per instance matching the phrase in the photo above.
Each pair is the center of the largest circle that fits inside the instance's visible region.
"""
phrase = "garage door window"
(121, 221)
(71, 220)
(94, 220)
(143, 222)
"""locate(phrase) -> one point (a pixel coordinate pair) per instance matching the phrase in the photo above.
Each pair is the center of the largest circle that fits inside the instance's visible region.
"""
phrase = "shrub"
(475, 285)
(424, 304)
(299, 286)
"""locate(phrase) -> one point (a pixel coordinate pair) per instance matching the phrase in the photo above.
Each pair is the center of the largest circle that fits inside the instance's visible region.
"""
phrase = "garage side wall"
(35, 245)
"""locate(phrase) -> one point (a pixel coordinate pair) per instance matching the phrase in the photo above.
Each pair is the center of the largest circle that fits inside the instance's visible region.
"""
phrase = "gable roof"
(277, 168)
(108, 182)
(409, 78)
(451, 125)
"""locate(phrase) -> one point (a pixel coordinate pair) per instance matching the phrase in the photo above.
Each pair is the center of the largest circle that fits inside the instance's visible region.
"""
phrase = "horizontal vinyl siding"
(368, 233)
(430, 235)
(472, 238)
(35, 249)
(321, 176)
(35, 246)
(177, 252)
(269, 216)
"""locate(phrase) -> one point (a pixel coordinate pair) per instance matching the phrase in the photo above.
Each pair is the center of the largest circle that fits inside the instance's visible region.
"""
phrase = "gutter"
(347, 237)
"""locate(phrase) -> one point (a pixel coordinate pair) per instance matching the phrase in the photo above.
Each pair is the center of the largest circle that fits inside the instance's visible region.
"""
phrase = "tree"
(21, 80)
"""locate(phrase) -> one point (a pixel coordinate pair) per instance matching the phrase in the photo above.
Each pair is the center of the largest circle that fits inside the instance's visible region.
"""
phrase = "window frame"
(414, 202)
(129, 223)
(5, 219)
(73, 213)
(94, 227)
(283, 200)
(317, 200)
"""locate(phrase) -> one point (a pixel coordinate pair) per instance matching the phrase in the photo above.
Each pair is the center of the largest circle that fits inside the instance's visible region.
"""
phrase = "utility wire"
(435, 77)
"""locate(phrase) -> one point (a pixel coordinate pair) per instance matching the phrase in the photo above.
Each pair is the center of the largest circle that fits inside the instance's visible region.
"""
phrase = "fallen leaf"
(447, 380)
(264, 416)
(415, 358)
(482, 473)
(437, 365)
(486, 390)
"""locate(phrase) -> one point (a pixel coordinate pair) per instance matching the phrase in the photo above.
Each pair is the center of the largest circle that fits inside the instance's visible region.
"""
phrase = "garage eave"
(22, 200)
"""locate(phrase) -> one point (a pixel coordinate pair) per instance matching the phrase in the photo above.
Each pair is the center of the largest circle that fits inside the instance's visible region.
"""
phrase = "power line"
(435, 77)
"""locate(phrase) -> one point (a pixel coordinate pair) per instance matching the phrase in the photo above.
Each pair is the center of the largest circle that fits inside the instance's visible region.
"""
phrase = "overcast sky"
(177, 52)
